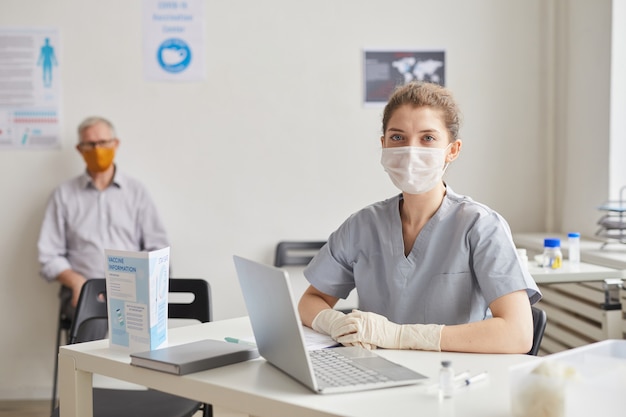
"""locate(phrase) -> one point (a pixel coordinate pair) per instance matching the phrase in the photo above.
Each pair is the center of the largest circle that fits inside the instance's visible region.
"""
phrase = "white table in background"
(583, 272)
(612, 256)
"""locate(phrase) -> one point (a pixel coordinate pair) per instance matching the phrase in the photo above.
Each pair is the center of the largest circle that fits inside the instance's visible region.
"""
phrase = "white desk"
(583, 272)
(257, 388)
(613, 255)
(568, 317)
(611, 322)
(611, 273)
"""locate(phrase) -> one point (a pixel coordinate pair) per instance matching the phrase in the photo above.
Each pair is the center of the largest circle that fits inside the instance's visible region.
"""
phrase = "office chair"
(300, 253)
(128, 403)
(290, 253)
(199, 308)
(540, 320)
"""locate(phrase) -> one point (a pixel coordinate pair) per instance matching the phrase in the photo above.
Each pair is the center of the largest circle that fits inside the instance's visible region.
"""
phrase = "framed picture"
(387, 69)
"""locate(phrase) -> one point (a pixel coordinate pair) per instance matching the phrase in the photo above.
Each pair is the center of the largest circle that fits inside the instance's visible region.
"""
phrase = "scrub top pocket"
(448, 298)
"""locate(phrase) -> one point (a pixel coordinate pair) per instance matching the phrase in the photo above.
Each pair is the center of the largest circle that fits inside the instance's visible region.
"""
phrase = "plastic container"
(552, 256)
(446, 380)
(573, 248)
(580, 382)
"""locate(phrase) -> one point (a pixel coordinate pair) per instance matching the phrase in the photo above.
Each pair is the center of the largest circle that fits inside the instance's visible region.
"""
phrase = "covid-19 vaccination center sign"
(173, 44)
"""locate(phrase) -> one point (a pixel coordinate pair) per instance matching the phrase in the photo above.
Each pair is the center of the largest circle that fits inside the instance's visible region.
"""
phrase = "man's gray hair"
(90, 121)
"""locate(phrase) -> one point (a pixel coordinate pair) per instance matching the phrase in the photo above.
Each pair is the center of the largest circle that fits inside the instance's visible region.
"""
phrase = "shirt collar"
(118, 179)
(446, 203)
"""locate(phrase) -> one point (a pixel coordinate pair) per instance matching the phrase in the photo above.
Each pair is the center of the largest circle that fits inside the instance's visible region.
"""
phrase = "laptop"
(279, 337)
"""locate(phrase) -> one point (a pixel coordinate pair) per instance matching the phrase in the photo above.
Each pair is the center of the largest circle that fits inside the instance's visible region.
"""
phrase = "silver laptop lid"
(277, 330)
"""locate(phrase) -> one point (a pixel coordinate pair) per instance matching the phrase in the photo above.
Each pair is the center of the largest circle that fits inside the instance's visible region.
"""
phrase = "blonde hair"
(422, 94)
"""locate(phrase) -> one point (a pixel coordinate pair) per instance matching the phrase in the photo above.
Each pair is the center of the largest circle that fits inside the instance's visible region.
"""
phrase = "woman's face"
(416, 126)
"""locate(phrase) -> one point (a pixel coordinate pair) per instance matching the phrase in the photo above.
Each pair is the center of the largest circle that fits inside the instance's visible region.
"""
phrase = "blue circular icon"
(174, 55)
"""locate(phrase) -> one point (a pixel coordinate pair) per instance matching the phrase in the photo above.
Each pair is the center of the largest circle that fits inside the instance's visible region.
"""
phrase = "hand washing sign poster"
(173, 45)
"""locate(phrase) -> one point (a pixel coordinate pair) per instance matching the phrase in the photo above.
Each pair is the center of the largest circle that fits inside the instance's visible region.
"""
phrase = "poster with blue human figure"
(47, 60)
(30, 88)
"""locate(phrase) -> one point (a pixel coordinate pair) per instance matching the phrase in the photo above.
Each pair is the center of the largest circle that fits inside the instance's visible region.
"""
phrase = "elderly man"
(101, 208)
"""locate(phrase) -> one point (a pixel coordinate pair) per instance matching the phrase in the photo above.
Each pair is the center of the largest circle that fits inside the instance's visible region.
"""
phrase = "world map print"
(385, 70)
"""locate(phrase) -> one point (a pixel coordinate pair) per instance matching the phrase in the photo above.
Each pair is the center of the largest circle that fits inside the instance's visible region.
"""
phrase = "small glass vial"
(552, 256)
(574, 248)
(446, 380)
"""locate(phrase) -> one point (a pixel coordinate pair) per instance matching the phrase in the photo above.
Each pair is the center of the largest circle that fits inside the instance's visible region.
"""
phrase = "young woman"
(434, 270)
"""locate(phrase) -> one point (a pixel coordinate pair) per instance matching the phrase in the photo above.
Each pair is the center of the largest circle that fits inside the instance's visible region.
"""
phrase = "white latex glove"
(333, 323)
(337, 324)
(376, 330)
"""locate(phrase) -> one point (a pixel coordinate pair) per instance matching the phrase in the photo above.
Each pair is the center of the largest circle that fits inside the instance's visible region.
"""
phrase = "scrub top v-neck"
(462, 260)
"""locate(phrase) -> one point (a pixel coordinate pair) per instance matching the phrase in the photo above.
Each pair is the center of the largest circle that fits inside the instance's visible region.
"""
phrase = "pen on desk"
(239, 341)
(473, 379)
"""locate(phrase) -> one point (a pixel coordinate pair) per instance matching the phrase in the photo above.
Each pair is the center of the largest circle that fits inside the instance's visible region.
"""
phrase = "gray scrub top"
(463, 259)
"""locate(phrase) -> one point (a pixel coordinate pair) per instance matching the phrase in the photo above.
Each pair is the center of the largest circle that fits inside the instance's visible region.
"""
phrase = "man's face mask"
(98, 159)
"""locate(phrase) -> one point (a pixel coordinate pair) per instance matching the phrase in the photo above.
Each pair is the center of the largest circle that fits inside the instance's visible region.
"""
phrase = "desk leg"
(612, 306)
(612, 326)
(75, 389)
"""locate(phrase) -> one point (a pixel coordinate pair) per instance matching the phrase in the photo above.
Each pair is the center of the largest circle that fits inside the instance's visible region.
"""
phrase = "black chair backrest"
(92, 304)
(540, 320)
(296, 253)
(199, 308)
(91, 307)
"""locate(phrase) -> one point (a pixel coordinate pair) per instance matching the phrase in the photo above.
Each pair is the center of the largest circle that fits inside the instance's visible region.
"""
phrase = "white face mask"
(413, 169)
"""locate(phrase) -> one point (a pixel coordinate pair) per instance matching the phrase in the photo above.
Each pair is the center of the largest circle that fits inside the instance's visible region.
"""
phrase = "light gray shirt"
(462, 260)
(81, 221)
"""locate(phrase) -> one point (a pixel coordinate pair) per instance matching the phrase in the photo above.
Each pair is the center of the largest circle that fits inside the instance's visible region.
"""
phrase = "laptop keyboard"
(334, 369)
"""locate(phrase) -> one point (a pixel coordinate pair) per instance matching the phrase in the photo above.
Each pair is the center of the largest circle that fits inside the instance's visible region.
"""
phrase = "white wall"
(275, 144)
(618, 100)
(583, 136)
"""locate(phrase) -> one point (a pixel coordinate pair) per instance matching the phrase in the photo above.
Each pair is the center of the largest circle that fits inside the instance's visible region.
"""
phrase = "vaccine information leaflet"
(137, 290)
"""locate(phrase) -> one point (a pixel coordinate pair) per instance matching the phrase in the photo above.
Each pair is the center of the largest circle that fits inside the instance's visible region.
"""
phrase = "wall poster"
(30, 88)
(173, 40)
(387, 68)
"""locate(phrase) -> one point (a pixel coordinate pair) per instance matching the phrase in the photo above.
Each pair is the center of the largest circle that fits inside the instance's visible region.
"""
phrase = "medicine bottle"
(446, 380)
(574, 248)
(552, 256)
